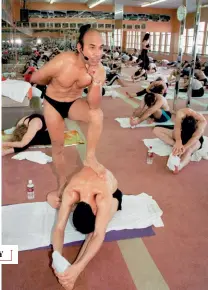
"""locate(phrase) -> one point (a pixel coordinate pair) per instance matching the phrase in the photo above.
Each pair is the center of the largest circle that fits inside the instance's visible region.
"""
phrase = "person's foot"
(95, 165)
(53, 199)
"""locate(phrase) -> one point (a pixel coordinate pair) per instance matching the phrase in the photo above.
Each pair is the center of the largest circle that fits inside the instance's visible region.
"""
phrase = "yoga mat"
(125, 123)
(70, 138)
(116, 236)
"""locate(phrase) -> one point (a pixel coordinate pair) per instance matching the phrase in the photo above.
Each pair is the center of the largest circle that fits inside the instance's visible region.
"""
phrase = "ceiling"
(191, 4)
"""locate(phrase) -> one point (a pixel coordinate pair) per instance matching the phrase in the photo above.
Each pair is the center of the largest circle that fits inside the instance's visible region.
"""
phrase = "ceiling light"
(152, 3)
(205, 5)
(95, 3)
(51, 1)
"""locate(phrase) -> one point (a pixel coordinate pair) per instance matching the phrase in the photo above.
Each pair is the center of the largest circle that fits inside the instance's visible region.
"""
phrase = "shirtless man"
(186, 136)
(153, 108)
(97, 201)
(67, 75)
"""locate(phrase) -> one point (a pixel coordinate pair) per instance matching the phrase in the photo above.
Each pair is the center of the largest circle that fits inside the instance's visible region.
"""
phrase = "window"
(117, 37)
(156, 41)
(190, 40)
(104, 37)
(183, 41)
(200, 37)
(168, 41)
(34, 25)
(151, 40)
(100, 25)
(73, 25)
(206, 48)
(163, 36)
(109, 39)
(133, 39)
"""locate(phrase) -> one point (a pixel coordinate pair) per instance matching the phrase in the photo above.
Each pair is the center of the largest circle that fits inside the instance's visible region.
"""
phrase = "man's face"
(93, 47)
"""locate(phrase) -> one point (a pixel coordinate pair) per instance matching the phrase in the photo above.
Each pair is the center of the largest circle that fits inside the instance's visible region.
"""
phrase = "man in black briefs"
(96, 201)
(66, 76)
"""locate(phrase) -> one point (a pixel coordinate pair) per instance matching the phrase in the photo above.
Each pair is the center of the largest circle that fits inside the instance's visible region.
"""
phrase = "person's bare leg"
(80, 111)
(55, 125)
(186, 157)
(166, 135)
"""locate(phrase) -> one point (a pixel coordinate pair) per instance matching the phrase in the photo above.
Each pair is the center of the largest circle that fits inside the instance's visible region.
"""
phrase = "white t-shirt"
(152, 65)
(116, 54)
(196, 84)
(150, 58)
(125, 57)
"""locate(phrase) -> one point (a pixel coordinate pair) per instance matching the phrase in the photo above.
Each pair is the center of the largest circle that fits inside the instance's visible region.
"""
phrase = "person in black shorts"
(186, 136)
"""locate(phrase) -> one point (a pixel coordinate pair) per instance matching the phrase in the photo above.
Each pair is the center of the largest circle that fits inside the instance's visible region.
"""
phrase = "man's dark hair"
(189, 124)
(150, 99)
(82, 31)
(146, 37)
(84, 218)
(158, 89)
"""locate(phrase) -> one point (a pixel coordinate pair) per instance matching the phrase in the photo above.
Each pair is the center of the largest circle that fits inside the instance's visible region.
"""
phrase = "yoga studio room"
(104, 144)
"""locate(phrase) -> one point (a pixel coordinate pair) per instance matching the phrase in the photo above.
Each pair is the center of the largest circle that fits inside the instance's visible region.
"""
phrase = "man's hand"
(69, 277)
(134, 121)
(178, 148)
(94, 72)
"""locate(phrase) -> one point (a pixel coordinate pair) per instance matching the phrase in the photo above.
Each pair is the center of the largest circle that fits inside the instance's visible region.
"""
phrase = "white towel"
(29, 225)
(162, 149)
(34, 156)
(36, 92)
(201, 153)
(59, 262)
(158, 146)
(173, 161)
(107, 88)
(125, 123)
(15, 89)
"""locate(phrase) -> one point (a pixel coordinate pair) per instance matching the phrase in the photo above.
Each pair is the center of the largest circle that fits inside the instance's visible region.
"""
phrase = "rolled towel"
(173, 161)
(59, 262)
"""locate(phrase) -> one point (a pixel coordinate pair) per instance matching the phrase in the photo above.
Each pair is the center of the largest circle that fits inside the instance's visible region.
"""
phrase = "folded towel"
(125, 123)
(29, 225)
(173, 161)
(201, 153)
(158, 147)
(34, 156)
(15, 89)
(59, 262)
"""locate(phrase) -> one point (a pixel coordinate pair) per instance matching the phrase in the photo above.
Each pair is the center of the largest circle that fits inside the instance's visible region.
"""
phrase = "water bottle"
(30, 190)
(150, 155)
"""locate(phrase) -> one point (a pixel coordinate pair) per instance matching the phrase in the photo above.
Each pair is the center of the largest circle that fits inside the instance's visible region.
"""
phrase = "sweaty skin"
(88, 187)
(66, 76)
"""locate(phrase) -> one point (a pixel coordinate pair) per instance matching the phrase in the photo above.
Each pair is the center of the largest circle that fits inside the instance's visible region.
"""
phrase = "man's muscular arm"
(95, 91)
(50, 70)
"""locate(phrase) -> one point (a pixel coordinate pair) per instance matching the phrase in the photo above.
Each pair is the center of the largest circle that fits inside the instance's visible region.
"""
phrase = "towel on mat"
(15, 89)
(162, 149)
(29, 225)
(34, 156)
(125, 123)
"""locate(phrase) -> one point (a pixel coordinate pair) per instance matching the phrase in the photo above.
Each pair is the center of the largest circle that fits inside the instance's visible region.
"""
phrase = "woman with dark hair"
(30, 130)
(140, 74)
(186, 137)
(155, 107)
(145, 47)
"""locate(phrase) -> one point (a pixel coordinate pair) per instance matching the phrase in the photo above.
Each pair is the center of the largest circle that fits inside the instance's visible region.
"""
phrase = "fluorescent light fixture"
(152, 3)
(18, 41)
(39, 41)
(205, 5)
(95, 3)
(119, 11)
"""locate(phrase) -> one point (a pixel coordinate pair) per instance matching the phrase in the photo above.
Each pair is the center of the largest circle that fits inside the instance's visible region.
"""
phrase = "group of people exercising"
(92, 194)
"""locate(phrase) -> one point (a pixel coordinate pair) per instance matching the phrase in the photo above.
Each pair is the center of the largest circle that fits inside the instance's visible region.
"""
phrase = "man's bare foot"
(53, 199)
(176, 170)
(95, 165)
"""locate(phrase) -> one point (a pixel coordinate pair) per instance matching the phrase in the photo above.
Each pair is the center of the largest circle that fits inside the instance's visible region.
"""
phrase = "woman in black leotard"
(145, 47)
(30, 130)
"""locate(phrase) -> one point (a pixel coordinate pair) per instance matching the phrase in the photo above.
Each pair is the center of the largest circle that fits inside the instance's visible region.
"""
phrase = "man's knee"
(96, 115)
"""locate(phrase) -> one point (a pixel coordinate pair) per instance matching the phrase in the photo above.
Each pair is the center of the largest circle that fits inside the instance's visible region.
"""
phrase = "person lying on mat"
(159, 86)
(197, 87)
(94, 202)
(153, 108)
(140, 74)
(186, 136)
(30, 130)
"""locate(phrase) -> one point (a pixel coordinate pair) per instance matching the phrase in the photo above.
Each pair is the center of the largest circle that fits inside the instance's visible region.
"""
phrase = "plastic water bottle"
(30, 190)
(150, 155)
